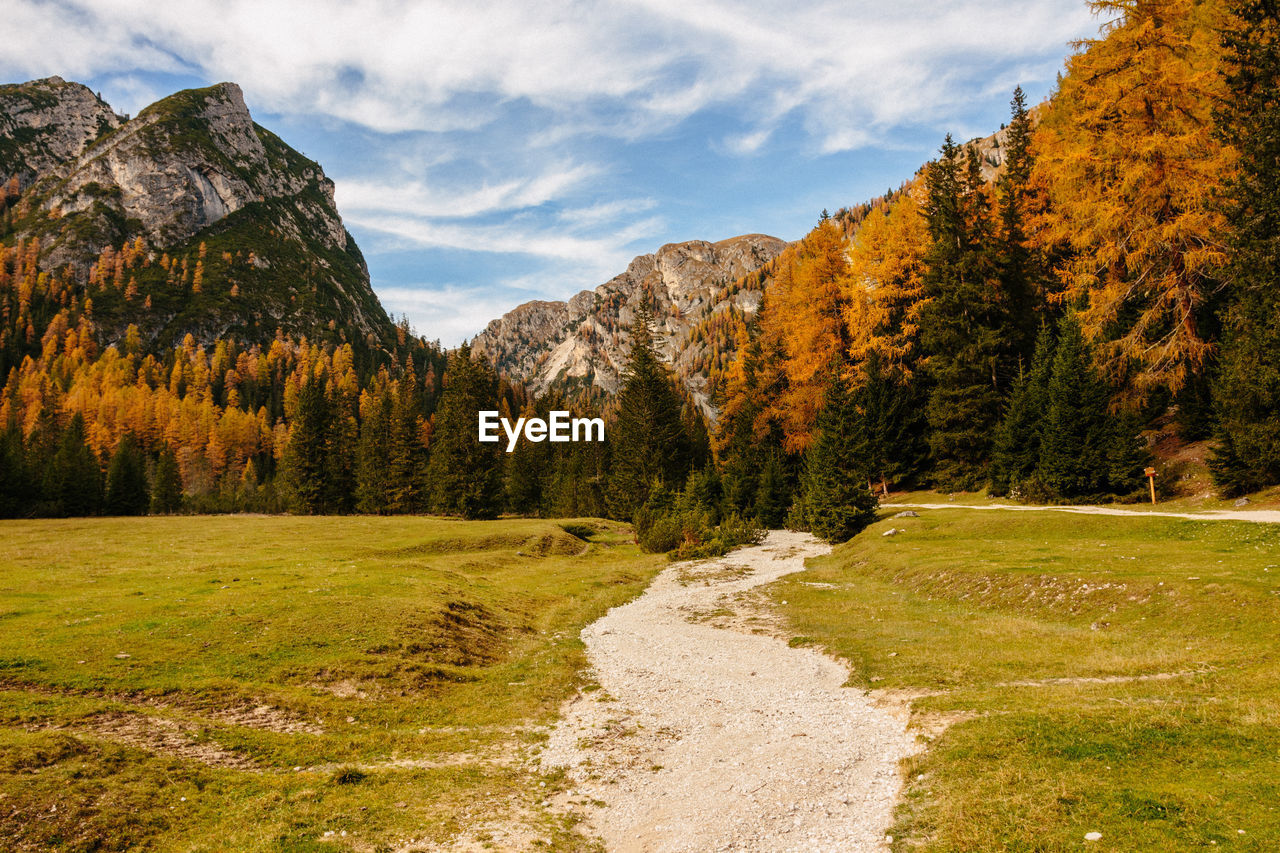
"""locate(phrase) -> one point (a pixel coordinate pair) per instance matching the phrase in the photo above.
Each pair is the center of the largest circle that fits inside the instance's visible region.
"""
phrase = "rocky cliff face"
(190, 173)
(45, 124)
(585, 341)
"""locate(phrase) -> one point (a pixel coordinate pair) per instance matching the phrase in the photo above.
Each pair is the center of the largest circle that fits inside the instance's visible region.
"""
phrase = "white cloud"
(448, 313)
(600, 252)
(601, 66)
(422, 199)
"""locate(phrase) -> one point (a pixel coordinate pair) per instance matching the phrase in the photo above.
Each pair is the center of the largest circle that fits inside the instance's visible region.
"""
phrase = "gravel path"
(708, 738)
(1263, 516)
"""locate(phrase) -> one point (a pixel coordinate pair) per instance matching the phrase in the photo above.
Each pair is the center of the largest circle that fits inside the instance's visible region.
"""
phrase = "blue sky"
(489, 153)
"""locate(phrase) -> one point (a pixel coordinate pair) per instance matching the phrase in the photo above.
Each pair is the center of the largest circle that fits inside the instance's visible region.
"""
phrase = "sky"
(489, 153)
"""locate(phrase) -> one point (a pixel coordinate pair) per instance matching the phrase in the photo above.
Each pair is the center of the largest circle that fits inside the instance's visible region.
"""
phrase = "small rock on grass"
(1093, 836)
(908, 513)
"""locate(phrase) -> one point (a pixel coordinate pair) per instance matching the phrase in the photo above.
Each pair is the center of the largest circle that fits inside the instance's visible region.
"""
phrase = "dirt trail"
(1265, 516)
(704, 738)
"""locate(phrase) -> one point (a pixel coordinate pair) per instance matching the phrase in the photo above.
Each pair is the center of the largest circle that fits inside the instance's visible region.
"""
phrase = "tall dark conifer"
(73, 477)
(306, 459)
(962, 328)
(1020, 266)
(648, 443)
(166, 485)
(1017, 447)
(126, 480)
(837, 503)
(1248, 387)
(463, 473)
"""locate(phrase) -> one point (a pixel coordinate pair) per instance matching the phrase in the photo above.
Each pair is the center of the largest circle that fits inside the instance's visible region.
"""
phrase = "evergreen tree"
(1020, 269)
(341, 445)
(166, 488)
(18, 494)
(373, 485)
(73, 477)
(648, 443)
(306, 458)
(837, 502)
(406, 458)
(774, 494)
(526, 468)
(465, 474)
(126, 480)
(963, 326)
(1017, 447)
(1247, 456)
(892, 438)
(1085, 451)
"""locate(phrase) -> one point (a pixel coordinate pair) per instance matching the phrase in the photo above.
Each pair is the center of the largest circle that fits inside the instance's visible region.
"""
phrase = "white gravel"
(705, 738)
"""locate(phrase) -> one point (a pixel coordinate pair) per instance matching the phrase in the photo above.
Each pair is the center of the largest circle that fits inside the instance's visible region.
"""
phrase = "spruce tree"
(526, 469)
(648, 442)
(126, 480)
(1017, 447)
(962, 329)
(306, 459)
(406, 459)
(372, 477)
(465, 474)
(166, 488)
(1247, 395)
(893, 425)
(17, 490)
(837, 502)
(73, 477)
(1020, 267)
(1074, 431)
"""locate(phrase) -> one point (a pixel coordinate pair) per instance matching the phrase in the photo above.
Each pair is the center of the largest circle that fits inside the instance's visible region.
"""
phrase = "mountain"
(188, 219)
(583, 343)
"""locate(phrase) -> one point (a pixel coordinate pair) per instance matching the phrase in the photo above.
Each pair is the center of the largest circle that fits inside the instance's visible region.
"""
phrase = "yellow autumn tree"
(885, 292)
(1132, 167)
(803, 327)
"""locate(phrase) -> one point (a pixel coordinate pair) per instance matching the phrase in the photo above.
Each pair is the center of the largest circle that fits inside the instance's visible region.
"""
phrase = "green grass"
(995, 625)
(398, 659)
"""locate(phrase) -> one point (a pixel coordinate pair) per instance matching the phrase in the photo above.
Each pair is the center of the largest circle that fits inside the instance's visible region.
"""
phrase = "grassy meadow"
(287, 683)
(1073, 674)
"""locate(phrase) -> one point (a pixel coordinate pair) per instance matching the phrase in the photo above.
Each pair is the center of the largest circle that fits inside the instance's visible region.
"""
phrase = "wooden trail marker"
(1151, 479)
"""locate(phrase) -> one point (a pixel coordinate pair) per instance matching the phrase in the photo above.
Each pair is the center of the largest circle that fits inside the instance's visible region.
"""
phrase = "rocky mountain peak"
(189, 172)
(46, 123)
(585, 341)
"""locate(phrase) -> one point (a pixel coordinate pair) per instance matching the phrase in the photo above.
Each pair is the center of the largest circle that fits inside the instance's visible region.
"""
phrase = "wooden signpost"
(1151, 479)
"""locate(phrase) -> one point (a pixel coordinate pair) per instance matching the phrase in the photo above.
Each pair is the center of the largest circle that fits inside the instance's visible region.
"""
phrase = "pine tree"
(73, 477)
(1085, 450)
(126, 480)
(464, 474)
(1020, 266)
(526, 470)
(17, 491)
(837, 502)
(1017, 447)
(962, 328)
(372, 478)
(306, 459)
(166, 489)
(892, 438)
(1247, 456)
(648, 442)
